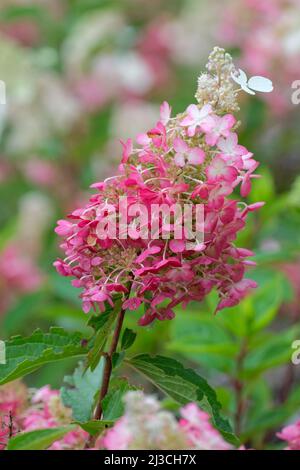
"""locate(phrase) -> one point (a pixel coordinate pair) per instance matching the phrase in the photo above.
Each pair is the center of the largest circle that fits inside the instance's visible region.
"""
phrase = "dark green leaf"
(183, 385)
(128, 338)
(26, 354)
(117, 359)
(103, 325)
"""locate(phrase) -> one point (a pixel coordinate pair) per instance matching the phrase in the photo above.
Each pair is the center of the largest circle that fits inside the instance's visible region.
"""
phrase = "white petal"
(261, 84)
(247, 90)
(240, 79)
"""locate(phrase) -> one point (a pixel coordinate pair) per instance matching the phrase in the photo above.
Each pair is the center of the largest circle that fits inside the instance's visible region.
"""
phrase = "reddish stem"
(108, 370)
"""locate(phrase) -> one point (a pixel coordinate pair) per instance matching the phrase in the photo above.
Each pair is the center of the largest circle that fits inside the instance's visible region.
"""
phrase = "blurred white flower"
(89, 33)
(132, 118)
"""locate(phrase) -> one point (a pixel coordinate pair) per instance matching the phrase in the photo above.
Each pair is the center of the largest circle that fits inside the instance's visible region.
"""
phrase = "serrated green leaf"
(39, 439)
(26, 354)
(183, 385)
(80, 391)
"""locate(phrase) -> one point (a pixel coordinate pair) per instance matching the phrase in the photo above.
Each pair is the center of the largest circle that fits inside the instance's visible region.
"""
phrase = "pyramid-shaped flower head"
(131, 242)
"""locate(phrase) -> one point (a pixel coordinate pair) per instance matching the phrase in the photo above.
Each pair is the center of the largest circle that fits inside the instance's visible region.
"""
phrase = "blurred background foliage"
(81, 75)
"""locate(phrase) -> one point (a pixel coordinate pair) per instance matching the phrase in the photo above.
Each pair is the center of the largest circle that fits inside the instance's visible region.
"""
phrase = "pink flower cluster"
(18, 275)
(22, 411)
(146, 426)
(47, 411)
(291, 434)
(192, 158)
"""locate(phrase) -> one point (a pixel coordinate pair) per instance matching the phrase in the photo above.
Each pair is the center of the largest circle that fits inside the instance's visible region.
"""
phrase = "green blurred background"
(81, 75)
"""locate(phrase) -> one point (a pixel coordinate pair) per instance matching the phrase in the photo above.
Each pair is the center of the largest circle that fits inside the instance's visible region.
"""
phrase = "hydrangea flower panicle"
(193, 158)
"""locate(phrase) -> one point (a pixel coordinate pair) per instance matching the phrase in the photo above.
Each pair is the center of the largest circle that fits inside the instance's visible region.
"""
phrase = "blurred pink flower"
(145, 425)
(199, 431)
(291, 434)
(24, 32)
(40, 172)
(18, 275)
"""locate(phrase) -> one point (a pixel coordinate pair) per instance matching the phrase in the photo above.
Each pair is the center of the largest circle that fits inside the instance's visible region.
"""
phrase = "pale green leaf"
(39, 439)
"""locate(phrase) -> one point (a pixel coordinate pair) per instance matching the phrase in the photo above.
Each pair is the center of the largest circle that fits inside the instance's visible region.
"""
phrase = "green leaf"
(22, 312)
(12, 12)
(203, 339)
(274, 417)
(113, 406)
(26, 354)
(264, 188)
(81, 390)
(117, 359)
(128, 338)
(272, 350)
(267, 299)
(259, 309)
(39, 439)
(102, 324)
(63, 289)
(183, 385)
(95, 427)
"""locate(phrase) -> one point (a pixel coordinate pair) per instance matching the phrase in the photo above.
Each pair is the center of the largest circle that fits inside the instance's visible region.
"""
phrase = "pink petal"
(179, 160)
(180, 145)
(177, 246)
(229, 121)
(196, 156)
(193, 110)
(149, 251)
(246, 186)
(165, 112)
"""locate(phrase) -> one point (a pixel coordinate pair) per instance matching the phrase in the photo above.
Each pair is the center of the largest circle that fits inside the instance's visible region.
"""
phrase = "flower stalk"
(108, 364)
(108, 357)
